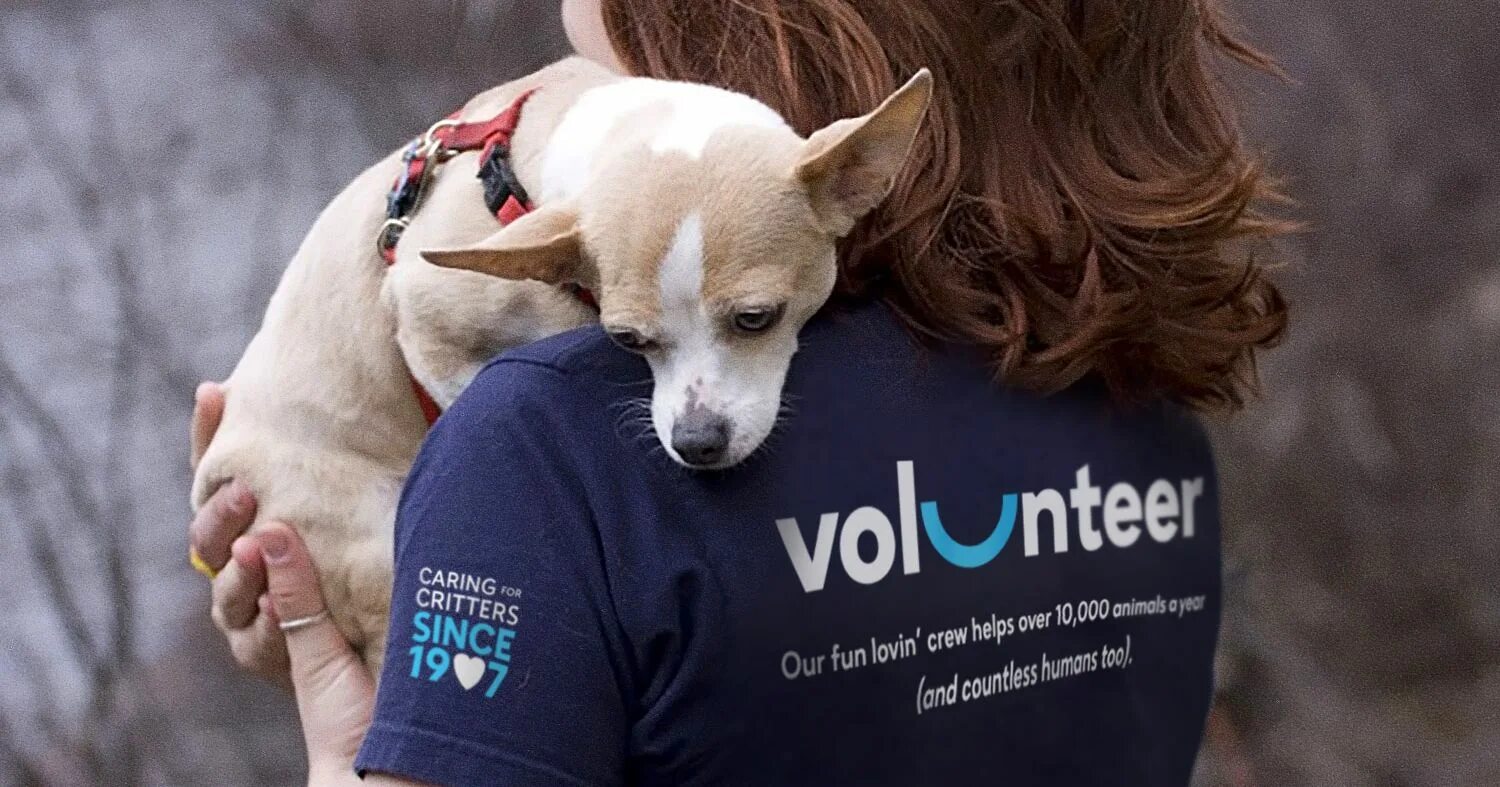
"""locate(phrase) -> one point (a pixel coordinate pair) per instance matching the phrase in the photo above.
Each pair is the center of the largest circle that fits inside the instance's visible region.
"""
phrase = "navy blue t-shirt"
(922, 578)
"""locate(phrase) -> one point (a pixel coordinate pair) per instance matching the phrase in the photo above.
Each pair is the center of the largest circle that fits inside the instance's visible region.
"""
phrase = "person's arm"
(496, 481)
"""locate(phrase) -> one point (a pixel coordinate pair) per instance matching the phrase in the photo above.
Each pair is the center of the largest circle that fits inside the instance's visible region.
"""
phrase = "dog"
(701, 223)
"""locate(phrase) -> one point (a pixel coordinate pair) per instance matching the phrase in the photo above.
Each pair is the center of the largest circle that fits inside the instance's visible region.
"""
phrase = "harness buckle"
(429, 145)
(390, 233)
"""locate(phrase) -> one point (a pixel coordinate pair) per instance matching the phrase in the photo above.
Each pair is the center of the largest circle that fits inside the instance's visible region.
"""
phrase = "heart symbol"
(468, 669)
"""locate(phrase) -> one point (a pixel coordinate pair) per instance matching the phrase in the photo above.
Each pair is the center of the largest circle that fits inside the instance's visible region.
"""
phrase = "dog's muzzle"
(701, 437)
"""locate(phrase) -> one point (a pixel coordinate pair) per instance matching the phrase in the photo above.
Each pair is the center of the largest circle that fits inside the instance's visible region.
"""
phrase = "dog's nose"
(701, 437)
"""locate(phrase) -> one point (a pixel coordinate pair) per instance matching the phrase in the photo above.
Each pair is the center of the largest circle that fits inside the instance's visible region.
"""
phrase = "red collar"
(503, 193)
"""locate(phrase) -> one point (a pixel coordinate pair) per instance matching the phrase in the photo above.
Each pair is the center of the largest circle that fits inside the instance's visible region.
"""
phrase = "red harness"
(503, 194)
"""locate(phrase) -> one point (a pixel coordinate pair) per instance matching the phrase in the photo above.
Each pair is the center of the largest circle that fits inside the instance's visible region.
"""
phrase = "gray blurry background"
(162, 159)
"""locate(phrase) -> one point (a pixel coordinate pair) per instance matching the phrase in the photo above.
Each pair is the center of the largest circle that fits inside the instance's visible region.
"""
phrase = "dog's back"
(320, 419)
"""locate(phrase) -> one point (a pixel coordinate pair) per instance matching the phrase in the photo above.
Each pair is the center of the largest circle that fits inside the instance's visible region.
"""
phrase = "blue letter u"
(971, 556)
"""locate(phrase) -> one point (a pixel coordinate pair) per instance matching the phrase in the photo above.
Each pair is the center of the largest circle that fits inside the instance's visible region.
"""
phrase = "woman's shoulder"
(567, 366)
(581, 351)
(542, 395)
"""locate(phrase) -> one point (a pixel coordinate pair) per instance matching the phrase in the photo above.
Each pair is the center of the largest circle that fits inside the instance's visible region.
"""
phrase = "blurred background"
(162, 159)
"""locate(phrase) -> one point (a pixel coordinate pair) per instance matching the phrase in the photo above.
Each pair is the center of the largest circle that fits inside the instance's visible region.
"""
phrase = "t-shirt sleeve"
(502, 660)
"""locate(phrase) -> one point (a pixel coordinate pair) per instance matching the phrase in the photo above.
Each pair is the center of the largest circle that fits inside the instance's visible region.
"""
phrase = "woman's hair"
(1074, 200)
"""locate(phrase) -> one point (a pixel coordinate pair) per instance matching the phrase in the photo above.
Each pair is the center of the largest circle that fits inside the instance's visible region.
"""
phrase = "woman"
(1020, 330)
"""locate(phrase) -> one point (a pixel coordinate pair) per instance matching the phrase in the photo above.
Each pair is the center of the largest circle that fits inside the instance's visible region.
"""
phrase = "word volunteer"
(1166, 510)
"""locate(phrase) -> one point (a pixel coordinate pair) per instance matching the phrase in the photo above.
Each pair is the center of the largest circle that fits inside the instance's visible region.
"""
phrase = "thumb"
(312, 640)
(335, 692)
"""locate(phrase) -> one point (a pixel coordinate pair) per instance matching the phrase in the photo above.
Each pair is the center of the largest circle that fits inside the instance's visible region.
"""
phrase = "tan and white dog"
(702, 223)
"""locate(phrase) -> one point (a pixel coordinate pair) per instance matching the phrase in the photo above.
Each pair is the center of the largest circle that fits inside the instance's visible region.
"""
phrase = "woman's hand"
(217, 542)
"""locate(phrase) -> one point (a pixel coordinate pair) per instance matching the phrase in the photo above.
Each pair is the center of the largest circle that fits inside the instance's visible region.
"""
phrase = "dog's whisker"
(634, 402)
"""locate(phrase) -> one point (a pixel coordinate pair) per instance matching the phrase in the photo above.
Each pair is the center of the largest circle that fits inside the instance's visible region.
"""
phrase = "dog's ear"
(544, 245)
(850, 166)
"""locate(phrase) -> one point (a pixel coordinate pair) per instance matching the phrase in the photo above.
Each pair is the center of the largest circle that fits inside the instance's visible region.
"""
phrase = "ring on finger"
(300, 623)
(200, 565)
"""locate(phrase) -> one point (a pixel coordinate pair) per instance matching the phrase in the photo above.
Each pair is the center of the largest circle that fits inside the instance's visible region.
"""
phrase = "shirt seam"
(557, 366)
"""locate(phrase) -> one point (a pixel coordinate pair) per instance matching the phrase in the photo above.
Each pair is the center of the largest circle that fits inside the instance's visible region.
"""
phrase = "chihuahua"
(704, 226)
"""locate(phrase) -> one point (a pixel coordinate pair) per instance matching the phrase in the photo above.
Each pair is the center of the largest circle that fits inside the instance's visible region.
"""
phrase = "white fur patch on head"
(681, 273)
(695, 112)
(685, 372)
(698, 111)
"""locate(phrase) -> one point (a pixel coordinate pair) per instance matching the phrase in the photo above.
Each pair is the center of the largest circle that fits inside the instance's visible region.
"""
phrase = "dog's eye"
(630, 339)
(757, 320)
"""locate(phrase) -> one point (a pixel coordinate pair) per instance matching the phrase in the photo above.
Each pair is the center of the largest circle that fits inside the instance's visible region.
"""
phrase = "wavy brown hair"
(1080, 197)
